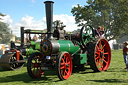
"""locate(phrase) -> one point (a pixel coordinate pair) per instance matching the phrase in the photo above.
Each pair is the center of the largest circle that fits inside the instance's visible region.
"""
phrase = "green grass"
(115, 75)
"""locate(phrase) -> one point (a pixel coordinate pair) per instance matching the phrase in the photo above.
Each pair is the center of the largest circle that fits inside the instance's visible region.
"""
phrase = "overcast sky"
(31, 13)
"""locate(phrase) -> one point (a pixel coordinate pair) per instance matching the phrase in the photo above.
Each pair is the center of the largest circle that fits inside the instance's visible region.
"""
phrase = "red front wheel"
(64, 65)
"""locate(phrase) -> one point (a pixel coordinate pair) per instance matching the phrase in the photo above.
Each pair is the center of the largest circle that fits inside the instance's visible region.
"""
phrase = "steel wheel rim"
(35, 68)
(66, 66)
(102, 55)
(15, 65)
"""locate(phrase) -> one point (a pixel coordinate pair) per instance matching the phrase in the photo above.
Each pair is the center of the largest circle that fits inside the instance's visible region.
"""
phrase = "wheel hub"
(35, 65)
(101, 54)
(67, 65)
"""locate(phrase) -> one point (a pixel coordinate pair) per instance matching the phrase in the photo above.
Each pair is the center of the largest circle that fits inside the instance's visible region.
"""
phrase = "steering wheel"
(86, 34)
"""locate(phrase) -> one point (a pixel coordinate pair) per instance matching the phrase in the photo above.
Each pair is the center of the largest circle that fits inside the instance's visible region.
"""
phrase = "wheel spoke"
(100, 68)
(103, 47)
(62, 67)
(101, 63)
(35, 59)
(68, 63)
(65, 72)
(33, 71)
(37, 71)
(62, 64)
(97, 52)
(68, 68)
(105, 53)
(97, 48)
(97, 58)
(64, 57)
(63, 60)
(103, 56)
(105, 61)
(97, 62)
(99, 44)
(102, 51)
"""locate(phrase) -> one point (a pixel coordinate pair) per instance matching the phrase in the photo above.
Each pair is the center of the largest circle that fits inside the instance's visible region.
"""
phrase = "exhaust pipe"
(22, 36)
(49, 17)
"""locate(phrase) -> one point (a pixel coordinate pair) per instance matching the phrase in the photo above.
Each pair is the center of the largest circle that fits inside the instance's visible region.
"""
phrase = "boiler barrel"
(67, 45)
(56, 46)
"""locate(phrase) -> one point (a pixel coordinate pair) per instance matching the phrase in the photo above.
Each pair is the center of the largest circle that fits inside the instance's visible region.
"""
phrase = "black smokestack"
(22, 36)
(49, 16)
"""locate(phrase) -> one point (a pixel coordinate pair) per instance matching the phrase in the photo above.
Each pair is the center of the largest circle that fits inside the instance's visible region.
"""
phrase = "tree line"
(110, 14)
(5, 34)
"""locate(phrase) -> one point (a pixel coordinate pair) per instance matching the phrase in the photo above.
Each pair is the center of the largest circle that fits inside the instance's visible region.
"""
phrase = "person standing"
(97, 32)
(125, 52)
(127, 63)
(102, 32)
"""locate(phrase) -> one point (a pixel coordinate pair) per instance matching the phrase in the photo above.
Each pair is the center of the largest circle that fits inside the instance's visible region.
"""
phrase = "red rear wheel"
(99, 55)
(64, 66)
(102, 54)
(34, 65)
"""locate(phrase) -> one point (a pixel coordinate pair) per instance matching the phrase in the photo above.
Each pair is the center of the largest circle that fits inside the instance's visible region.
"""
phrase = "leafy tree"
(58, 24)
(1, 15)
(110, 14)
(4, 32)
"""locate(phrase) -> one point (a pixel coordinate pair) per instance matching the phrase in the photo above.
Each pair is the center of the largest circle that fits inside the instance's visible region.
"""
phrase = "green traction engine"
(13, 59)
(62, 52)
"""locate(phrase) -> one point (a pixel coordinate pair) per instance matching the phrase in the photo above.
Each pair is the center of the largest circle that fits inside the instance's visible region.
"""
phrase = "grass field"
(115, 75)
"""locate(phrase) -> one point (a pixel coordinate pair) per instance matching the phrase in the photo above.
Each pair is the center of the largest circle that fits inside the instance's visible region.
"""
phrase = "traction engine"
(62, 52)
(13, 59)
